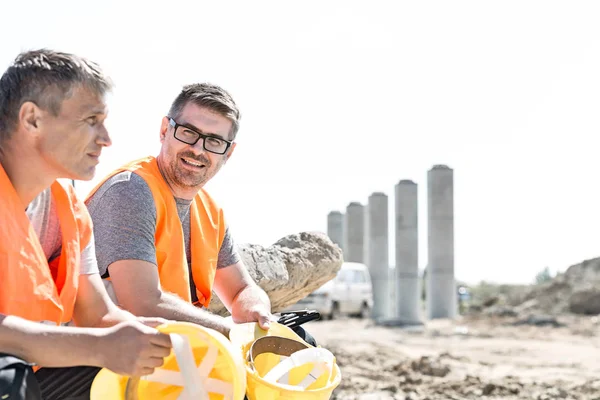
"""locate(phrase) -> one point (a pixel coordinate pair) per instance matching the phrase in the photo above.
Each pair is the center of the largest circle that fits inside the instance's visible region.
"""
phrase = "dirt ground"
(469, 358)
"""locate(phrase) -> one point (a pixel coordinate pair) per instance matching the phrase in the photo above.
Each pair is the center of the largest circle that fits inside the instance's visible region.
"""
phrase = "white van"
(349, 293)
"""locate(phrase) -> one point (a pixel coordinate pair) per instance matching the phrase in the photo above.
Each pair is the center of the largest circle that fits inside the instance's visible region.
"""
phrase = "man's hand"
(133, 349)
(254, 313)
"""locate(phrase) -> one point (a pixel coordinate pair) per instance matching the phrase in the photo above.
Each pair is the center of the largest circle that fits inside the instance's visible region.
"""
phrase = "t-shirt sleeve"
(124, 217)
(228, 254)
(89, 265)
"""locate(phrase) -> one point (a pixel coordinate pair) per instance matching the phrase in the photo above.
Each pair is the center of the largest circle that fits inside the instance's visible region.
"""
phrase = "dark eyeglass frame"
(202, 136)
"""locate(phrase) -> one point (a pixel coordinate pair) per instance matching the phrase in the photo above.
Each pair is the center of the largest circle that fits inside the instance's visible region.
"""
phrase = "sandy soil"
(470, 358)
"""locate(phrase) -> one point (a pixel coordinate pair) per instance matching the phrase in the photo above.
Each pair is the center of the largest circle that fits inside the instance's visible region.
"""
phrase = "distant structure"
(354, 233)
(441, 288)
(407, 282)
(376, 253)
(335, 228)
(362, 233)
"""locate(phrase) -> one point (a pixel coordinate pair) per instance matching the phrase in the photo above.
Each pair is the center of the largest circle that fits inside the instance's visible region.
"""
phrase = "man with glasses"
(163, 244)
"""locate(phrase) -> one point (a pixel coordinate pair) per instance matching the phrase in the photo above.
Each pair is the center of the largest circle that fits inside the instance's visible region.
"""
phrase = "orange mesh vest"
(207, 230)
(32, 288)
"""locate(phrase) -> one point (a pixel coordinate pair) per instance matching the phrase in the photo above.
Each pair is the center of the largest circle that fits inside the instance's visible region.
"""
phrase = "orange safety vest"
(32, 288)
(207, 230)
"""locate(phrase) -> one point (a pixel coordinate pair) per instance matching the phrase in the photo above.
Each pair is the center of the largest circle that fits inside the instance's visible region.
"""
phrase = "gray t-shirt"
(44, 217)
(124, 216)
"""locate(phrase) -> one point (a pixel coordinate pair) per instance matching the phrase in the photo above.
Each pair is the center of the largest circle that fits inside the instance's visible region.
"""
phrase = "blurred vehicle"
(464, 298)
(349, 293)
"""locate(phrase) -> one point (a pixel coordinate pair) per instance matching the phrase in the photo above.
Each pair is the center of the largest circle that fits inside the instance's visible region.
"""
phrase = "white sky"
(341, 99)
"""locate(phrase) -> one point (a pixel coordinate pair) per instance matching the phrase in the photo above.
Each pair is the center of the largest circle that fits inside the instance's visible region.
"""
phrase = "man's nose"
(104, 137)
(198, 147)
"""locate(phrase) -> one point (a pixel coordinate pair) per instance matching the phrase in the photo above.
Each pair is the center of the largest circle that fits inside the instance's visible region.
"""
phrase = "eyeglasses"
(187, 135)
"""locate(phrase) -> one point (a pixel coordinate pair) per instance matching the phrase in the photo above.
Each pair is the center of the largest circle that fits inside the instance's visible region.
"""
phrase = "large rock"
(290, 269)
(585, 302)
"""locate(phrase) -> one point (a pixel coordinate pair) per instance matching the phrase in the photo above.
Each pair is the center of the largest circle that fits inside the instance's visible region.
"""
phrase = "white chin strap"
(322, 360)
(193, 378)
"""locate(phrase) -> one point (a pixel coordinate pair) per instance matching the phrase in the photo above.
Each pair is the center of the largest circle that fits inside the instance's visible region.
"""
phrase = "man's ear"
(30, 117)
(230, 151)
(164, 127)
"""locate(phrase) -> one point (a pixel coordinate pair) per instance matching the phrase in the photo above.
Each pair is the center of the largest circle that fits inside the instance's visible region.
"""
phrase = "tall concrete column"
(354, 233)
(376, 253)
(407, 283)
(335, 228)
(441, 288)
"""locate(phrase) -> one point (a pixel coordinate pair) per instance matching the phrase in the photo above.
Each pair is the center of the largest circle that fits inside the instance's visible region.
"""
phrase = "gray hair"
(208, 96)
(46, 78)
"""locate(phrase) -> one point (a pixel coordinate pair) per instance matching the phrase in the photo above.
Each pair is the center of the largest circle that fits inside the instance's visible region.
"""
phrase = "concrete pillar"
(407, 283)
(376, 252)
(354, 233)
(392, 295)
(335, 228)
(441, 289)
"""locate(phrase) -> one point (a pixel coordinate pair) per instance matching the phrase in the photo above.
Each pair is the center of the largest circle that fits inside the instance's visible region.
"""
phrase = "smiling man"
(162, 242)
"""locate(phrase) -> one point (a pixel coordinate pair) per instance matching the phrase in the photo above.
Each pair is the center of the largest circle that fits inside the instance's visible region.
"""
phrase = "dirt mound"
(577, 290)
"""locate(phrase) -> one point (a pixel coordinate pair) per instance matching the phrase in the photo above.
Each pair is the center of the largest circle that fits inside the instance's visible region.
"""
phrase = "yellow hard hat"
(203, 365)
(280, 365)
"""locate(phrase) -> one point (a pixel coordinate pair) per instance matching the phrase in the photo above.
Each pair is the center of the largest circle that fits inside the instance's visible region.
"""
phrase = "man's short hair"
(46, 78)
(211, 97)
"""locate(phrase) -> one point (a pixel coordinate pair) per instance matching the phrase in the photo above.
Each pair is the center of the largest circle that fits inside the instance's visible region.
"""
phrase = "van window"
(359, 277)
(343, 276)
